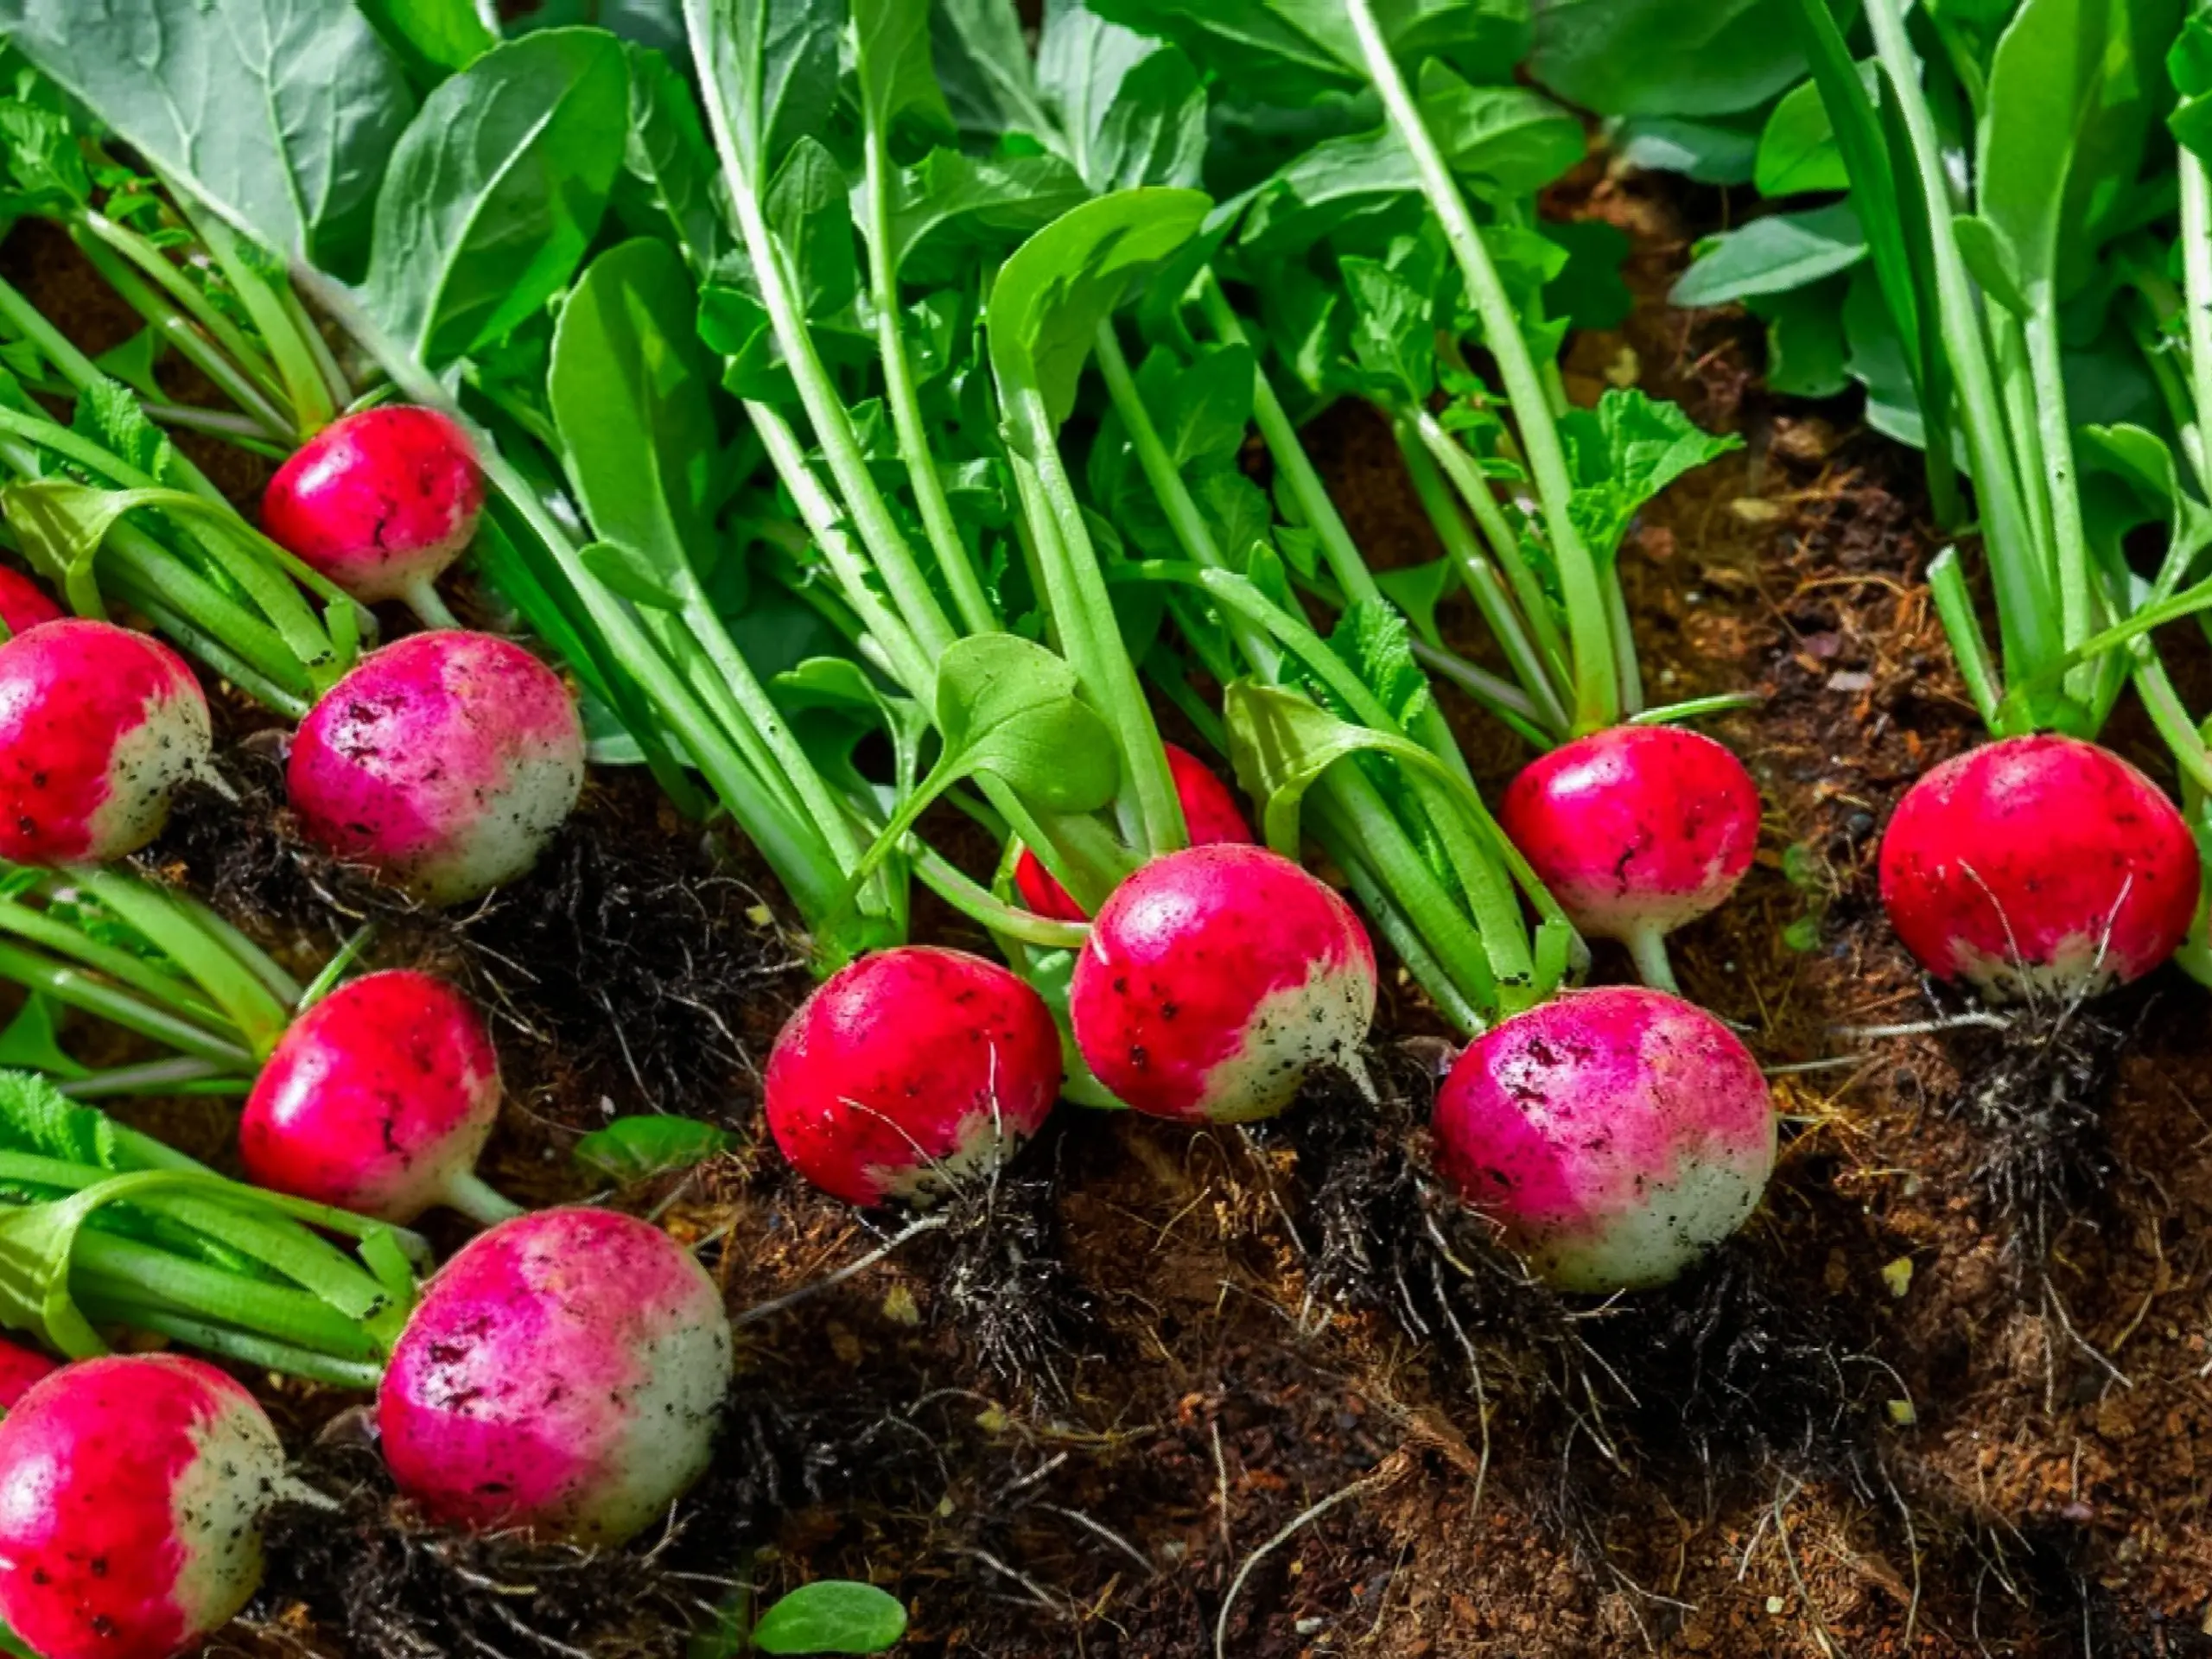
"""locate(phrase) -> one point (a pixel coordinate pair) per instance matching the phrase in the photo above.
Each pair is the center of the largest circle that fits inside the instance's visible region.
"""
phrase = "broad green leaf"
(1624, 452)
(2048, 71)
(810, 210)
(1771, 256)
(1992, 260)
(1705, 151)
(1662, 57)
(1879, 362)
(983, 63)
(279, 114)
(630, 394)
(671, 163)
(769, 67)
(1797, 151)
(898, 90)
(831, 1615)
(496, 190)
(952, 205)
(1008, 706)
(1805, 347)
(1281, 743)
(1517, 139)
(432, 37)
(1060, 284)
(638, 1148)
(1202, 407)
(1131, 108)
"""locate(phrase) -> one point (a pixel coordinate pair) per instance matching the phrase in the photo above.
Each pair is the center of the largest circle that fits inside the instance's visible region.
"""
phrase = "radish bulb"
(564, 1372)
(2038, 864)
(378, 1100)
(380, 502)
(131, 1493)
(1215, 979)
(1210, 814)
(909, 1073)
(1615, 1134)
(23, 603)
(98, 725)
(21, 1369)
(445, 761)
(1636, 831)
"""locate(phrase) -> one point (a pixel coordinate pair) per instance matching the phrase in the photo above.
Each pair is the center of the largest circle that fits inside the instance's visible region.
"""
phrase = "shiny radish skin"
(378, 1100)
(98, 725)
(1210, 814)
(1215, 979)
(565, 1372)
(1615, 1135)
(1635, 831)
(909, 1073)
(2040, 864)
(131, 1495)
(446, 762)
(21, 1369)
(381, 502)
(23, 603)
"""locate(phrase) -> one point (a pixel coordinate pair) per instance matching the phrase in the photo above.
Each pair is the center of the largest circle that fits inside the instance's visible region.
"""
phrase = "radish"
(380, 502)
(98, 725)
(131, 1492)
(1615, 1134)
(2041, 864)
(20, 1369)
(378, 1100)
(1635, 831)
(446, 761)
(23, 603)
(564, 1372)
(909, 1071)
(1210, 813)
(1215, 979)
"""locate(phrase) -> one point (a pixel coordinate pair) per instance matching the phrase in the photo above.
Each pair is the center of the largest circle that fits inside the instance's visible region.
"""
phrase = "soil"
(1922, 1407)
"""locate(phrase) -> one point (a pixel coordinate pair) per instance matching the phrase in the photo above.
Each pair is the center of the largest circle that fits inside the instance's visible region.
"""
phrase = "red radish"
(1215, 979)
(23, 603)
(564, 1372)
(21, 1368)
(1616, 1135)
(98, 725)
(380, 502)
(2039, 863)
(909, 1071)
(378, 1100)
(1635, 831)
(447, 761)
(131, 1493)
(1210, 813)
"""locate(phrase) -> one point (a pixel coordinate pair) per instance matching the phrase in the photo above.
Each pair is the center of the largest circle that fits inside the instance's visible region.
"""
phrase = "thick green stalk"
(1597, 686)
(76, 989)
(2197, 278)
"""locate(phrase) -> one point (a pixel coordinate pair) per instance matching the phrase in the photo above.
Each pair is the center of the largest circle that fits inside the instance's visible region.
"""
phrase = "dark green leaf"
(952, 205)
(637, 1148)
(1393, 335)
(772, 67)
(496, 190)
(1797, 148)
(810, 210)
(983, 63)
(1131, 108)
(1772, 255)
(1517, 139)
(1589, 291)
(831, 1615)
(671, 162)
(1992, 260)
(1662, 57)
(432, 37)
(1705, 151)
(899, 94)
(1805, 345)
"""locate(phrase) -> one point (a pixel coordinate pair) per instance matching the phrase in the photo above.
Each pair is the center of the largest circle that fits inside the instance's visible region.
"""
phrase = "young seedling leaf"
(637, 1148)
(832, 1616)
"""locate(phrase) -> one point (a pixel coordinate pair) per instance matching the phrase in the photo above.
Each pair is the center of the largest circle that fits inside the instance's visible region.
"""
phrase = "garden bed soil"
(1880, 1426)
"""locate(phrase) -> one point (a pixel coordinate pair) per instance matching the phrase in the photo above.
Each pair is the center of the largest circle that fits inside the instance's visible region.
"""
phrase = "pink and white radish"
(910, 1073)
(23, 603)
(445, 761)
(131, 1494)
(378, 1100)
(98, 725)
(21, 1369)
(380, 502)
(1635, 831)
(1616, 1135)
(564, 1372)
(1215, 979)
(1210, 814)
(2038, 864)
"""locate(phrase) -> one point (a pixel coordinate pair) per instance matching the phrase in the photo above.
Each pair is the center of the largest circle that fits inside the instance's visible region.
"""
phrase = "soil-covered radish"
(445, 761)
(380, 502)
(1636, 829)
(2038, 864)
(910, 1071)
(378, 1100)
(1210, 814)
(1616, 1135)
(23, 603)
(1215, 979)
(98, 725)
(564, 1372)
(21, 1369)
(131, 1493)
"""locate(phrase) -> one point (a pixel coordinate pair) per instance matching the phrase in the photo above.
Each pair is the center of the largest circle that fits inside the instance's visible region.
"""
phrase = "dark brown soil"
(1879, 1426)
